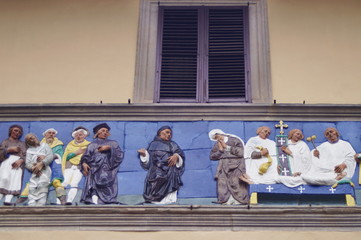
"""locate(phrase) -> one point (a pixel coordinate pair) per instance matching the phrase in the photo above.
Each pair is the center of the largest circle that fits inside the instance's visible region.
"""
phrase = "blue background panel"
(192, 137)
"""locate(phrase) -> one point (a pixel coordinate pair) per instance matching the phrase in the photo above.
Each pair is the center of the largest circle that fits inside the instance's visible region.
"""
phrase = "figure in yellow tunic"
(71, 159)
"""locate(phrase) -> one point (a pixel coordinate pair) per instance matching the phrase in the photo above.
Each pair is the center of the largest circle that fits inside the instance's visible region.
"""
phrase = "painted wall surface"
(315, 50)
(192, 137)
(67, 51)
(84, 51)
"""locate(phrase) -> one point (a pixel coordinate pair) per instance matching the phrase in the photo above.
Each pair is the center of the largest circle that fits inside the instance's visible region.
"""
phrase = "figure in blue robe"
(164, 161)
(100, 164)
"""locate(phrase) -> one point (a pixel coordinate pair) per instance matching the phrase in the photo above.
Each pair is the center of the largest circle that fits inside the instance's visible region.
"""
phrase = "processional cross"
(281, 142)
(281, 125)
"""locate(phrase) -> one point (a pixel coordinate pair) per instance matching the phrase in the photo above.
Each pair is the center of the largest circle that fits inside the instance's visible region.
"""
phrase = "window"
(202, 82)
(202, 55)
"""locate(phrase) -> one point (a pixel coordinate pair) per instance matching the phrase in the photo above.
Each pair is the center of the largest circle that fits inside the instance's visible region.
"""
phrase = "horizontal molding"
(183, 218)
(179, 112)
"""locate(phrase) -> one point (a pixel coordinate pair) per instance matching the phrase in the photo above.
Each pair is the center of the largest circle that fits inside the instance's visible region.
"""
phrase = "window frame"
(148, 31)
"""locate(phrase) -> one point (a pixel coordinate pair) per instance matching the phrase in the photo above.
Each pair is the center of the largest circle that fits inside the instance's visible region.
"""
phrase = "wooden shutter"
(178, 75)
(226, 59)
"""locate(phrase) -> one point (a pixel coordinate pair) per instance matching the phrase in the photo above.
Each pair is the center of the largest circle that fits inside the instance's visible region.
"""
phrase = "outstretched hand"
(142, 152)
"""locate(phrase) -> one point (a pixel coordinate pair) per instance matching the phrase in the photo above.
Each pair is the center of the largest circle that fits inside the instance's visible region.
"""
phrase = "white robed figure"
(331, 161)
(38, 158)
(299, 156)
(260, 150)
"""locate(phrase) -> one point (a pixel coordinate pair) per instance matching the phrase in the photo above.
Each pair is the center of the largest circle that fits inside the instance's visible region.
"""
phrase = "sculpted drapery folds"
(57, 176)
(100, 164)
(331, 161)
(258, 151)
(12, 158)
(164, 161)
(232, 180)
(38, 158)
(71, 161)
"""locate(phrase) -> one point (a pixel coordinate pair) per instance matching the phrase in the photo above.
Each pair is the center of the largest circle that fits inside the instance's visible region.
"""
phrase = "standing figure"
(71, 161)
(38, 158)
(232, 180)
(12, 158)
(299, 157)
(57, 176)
(261, 161)
(100, 164)
(331, 161)
(164, 161)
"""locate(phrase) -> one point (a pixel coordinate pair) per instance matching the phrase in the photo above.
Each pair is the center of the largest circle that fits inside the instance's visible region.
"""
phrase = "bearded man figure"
(38, 158)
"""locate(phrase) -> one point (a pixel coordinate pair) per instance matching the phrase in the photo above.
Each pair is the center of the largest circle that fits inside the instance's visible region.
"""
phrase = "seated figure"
(331, 161)
(261, 161)
(299, 156)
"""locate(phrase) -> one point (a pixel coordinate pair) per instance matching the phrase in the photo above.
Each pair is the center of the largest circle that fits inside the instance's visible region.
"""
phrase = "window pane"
(226, 60)
(178, 77)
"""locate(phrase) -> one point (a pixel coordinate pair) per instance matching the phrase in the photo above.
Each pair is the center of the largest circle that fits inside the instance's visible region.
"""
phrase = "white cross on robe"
(333, 190)
(281, 141)
(283, 157)
(285, 171)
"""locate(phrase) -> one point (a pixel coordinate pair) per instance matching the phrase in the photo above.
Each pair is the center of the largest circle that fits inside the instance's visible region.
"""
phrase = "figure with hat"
(71, 161)
(57, 176)
(164, 161)
(12, 158)
(100, 164)
(231, 176)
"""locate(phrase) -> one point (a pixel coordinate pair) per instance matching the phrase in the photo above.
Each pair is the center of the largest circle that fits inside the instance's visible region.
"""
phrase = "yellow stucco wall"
(315, 50)
(68, 51)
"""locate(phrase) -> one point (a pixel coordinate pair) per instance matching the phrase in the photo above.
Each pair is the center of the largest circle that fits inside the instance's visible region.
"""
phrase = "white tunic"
(252, 165)
(38, 186)
(331, 154)
(300, 161)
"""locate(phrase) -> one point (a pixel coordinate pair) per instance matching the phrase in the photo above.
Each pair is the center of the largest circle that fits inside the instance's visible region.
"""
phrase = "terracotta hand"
(172, 160)
(142, 152)
(104, 148)
(86, 169)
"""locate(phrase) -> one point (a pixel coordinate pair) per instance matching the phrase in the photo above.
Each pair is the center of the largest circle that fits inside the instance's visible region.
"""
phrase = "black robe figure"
(101, 183)
(163, 177)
